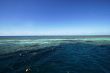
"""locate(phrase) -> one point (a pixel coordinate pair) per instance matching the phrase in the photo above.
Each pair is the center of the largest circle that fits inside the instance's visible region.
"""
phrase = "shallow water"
(55, 54)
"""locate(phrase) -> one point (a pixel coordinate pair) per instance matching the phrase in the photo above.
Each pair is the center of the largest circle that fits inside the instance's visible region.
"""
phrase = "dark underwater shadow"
(65, 58)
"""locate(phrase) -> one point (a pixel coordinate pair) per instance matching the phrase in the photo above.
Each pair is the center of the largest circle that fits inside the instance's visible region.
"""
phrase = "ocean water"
(55, 54)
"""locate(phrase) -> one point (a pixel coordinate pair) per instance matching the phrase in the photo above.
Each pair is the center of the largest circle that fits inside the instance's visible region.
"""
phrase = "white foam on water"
(27, 44)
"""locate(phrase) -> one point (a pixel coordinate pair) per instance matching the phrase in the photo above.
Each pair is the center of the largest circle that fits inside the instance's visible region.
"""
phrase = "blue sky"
(54, 17)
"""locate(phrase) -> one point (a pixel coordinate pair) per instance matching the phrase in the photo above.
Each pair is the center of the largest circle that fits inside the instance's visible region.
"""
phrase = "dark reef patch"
(64, 58)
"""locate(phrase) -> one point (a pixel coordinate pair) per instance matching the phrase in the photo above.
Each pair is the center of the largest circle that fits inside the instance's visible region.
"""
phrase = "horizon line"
(59, 35)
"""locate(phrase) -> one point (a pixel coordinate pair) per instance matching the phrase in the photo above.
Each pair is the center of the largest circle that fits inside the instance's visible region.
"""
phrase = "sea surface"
(55, 54)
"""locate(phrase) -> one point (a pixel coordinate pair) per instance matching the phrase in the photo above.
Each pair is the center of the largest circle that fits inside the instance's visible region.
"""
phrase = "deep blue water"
(69, 56)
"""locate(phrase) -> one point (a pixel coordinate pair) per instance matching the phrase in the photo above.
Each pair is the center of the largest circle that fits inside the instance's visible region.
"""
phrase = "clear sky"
(54, 17)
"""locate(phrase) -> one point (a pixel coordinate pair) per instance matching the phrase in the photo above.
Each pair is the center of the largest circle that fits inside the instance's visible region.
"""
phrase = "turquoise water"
(55, 54)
